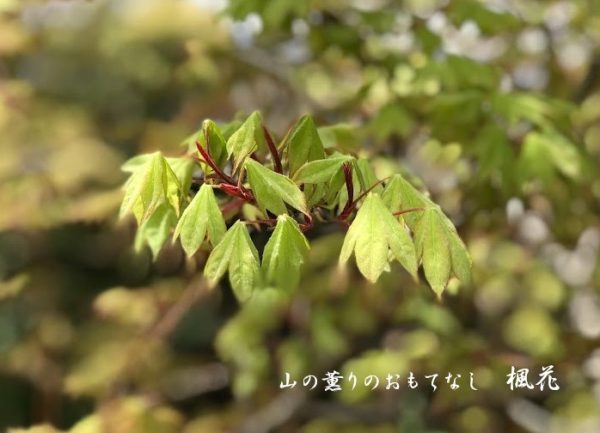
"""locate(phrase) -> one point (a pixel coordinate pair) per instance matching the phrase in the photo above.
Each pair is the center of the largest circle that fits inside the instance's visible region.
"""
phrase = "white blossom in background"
(584, 310)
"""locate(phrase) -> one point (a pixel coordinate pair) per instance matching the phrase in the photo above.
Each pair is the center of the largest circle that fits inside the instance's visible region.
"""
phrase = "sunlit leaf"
(321, 170)
(438, 245)
(272, 189)
(245, 140)
(342, 136)
(156, 230)
(373, 234)
(545, 153)
(237, 255)
(151, 183)
(202, 217)
(284, 254)
(303, 144)
(537, 109)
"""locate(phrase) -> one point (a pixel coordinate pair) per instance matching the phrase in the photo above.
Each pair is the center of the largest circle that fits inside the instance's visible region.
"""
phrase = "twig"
(275, 414)
(371, 188)
(168, 322)
(414, 209)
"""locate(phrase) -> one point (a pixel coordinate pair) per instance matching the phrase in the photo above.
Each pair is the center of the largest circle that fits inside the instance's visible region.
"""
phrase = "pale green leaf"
(174, 189)
(320, 170)
(155, 230)
(284, 254)
(183, 168)
(303, 144)
(545, 153)
(433, 248)
(400, 195)
(461, 260)
(147, 188)
(245, 140)
(237, 255)
(272, 189)
(341, 136)
(439, 247)
(366, 176)
(372, 235)
(202, 217)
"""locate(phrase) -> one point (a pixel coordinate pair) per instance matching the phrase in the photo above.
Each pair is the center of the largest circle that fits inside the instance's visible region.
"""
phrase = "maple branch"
(236, 191)
(273, 150)
(167, 323)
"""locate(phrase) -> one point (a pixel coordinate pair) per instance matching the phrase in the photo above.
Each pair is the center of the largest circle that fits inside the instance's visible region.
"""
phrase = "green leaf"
(174, 189)
(434, 250)
(441, 250)
(400, 195)
(151, 183)
(366, 176)
(321, 170)
(545, 153)
(201, 217)
(245, 140)
(155, 230)
(438, 245)
(183, 168)
(539, 110)
(375, 233)
(342, 136)
(488, 20)
(284, 254)
(237, 255)
(303, 144)
(391, 119)
(495, 156)
(272, 189)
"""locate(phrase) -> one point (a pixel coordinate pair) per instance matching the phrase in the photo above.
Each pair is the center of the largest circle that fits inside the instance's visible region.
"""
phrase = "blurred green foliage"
(493, 105)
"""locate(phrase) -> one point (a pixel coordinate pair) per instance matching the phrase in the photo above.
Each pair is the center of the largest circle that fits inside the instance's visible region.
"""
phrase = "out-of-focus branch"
(590, 81)
(277, 412)
(168, 322)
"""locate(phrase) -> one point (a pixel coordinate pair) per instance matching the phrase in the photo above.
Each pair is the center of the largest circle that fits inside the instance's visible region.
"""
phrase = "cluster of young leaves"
(289, 188)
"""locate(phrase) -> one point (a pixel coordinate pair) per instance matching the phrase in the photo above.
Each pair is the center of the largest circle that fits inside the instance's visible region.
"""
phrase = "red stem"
(232, 205)
(211, 162)
(347, 167)
(350, 206)
(360, 197)
(412, 209)
(235, 191)
(273, 150)
(308, 224)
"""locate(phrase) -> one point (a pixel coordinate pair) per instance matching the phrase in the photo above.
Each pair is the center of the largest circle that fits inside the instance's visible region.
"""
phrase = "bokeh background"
(494, 105)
